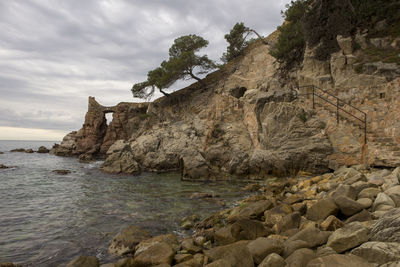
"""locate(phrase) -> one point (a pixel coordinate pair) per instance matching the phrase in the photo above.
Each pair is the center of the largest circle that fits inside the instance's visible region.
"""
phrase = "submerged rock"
(30, 150)
(18, 150)
(2, 166)
(62, 172)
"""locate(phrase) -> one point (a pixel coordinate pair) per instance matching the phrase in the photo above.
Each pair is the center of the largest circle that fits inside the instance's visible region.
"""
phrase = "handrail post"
(313, 101)
(337, 111)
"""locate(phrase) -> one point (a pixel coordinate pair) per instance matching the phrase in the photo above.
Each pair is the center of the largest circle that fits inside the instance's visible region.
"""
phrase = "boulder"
(339, 260)
(345, 190)
(178, 258)
(43, 149)
(218, 263)
(121, 162)
(198, 260)
(243, 229)
(362, 216)
(126, 241)
(18, 150)
(378, 252)
(292, 246)
(159, 253)
(188, 245)
(370, 192)
(274, 215)
(348, 206)
(62, 172)
(4, 166)
(194, 166)
(236, 254)
(312, 236)
(83, 261)
(322, 209)
(273, 260)
(347, 237)
(170, 239)
(300, 258)
(250, 210)
(365, 202)
(325, 251)
(394, 194)
(387, 228)
(331, 224)
(288, 222)
(261, 247)
(382, 200)
(352, 176)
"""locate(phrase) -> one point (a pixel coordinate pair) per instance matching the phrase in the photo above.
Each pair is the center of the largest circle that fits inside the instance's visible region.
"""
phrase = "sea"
(47, 219)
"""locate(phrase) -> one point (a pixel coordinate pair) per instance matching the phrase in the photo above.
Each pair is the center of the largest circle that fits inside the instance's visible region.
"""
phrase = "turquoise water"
(47, 219)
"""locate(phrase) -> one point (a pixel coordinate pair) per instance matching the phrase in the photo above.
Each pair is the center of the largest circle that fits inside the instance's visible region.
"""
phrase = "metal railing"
(338, 103)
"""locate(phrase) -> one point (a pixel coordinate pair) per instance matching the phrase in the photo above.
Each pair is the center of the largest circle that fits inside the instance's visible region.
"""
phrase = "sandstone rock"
(365, 202)
(387, 228)
(346, 191)
(288, 222)
(274, 215)
(243, 229)
(178, 258)
(121, 162)
(236, 254)
(322, 209)
(158, 253)
(292, 246)
(218, 263)
(300, 258)
(252, 210)
(339, 260)
(325, 251)
(362, 216)
(43, 149)
(83, 261)
(378, 252)
(261, 247)
(189, 246)
(273, 260)
(194, 166)
(394, 194)
(348, 206)
(313, 236)
(18, 150)
(126, 241)
(346, 44)
(331, 224)
(382, 200)
(370, 193)
(347, 237)
(170, 239)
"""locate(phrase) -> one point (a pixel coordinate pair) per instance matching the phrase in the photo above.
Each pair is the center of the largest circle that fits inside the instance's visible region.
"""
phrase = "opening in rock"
(109, 117)
(238, 92)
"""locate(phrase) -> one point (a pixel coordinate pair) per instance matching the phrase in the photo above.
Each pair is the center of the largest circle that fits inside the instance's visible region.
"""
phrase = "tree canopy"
(237, 41)
(183, 63)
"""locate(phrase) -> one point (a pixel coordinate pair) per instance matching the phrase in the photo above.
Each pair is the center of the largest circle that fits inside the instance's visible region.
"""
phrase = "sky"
(56, 53)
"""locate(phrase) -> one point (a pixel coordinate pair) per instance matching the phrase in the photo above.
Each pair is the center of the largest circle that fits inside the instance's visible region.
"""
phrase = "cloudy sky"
(56, 53)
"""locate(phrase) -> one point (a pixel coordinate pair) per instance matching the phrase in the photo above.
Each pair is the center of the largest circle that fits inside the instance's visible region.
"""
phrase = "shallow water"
(47, 219)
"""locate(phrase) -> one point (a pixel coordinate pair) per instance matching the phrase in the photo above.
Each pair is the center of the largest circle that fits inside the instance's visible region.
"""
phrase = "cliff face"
(245, 121)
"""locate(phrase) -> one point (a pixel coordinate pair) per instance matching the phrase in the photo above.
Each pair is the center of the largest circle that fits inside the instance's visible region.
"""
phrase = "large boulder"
(311, 236)
(126, 241)
(250, 210)
(387, 228)
(348, 206)
(159, 253)
(322, 209)
(347, 237)
(121, 161)
(383, 202)
(262, 247)
(236, 254)
(170, 239)
(243, 229)
(339, 260)
(300, 258)
(43, 149)
(273, 260)
(378, 252)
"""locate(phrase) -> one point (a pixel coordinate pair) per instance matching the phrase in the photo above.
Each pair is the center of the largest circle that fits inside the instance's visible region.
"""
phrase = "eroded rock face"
(387, 228)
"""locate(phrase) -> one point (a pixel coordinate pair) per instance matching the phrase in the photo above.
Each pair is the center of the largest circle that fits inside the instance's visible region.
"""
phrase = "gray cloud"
(54, 54)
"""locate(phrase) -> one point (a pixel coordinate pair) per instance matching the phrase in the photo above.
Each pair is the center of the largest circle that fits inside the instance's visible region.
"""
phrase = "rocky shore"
(350, 217)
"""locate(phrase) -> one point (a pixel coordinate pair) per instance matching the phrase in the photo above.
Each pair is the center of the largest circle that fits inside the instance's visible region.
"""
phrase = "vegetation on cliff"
(317, 23)
(183, 63)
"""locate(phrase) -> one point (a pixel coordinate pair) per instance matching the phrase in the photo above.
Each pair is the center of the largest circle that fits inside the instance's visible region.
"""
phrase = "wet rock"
(378, 252)
(236, 254)
(189, 246)
(322, 209)
(312, 236)
(347, 237)
(30, 151)
(85, 158)
(331, 224)
(62, 172)
(370, 193)
(261, 247)
(170, 239)
(300, 258)
(1, 153)
(382, 200)
(203, 195)
(4, 166)
(43, 149)
(273, 260)
(387, 228)
(339, 260)
(348, 206)
(18, 150)
(159, 253)
(83, 261)
(189, 222)
(126, 241)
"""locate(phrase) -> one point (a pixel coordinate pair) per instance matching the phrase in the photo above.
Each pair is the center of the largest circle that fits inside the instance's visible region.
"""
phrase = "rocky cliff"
(245, 120)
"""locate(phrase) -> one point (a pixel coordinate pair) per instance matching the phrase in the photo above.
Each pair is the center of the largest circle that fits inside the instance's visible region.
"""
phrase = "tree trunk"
(164, 93)
(196, 78)
(259, 36)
